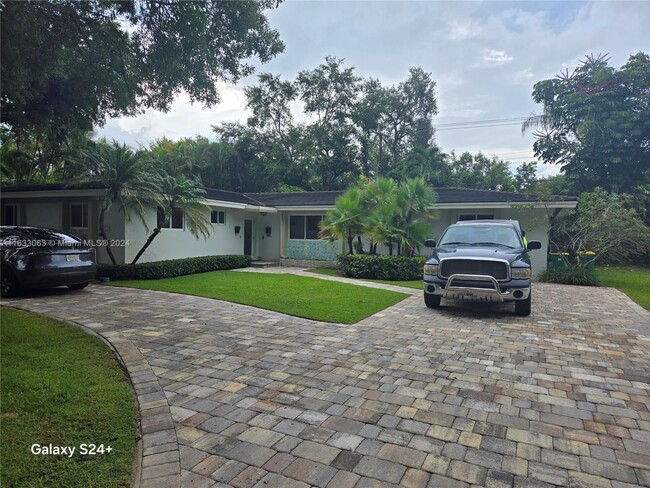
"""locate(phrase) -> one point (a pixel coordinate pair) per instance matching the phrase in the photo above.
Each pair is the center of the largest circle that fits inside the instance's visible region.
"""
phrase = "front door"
(248, 237)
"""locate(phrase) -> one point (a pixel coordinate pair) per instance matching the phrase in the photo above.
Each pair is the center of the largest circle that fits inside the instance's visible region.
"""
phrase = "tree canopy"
(67, 65)
(596, 123)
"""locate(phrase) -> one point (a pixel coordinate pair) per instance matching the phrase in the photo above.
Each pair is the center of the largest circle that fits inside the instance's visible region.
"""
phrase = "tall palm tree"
(177, 192)
(128, 179)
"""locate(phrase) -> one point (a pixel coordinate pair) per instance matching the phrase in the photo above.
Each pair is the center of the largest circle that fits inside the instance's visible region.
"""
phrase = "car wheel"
(523, 307)
(9, 283)
(78, 286)
(432, 301)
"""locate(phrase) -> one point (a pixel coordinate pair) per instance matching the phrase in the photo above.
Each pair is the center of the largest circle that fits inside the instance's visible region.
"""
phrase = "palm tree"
(344, 221)
(127, 177)
(377, 201)
(177, 192)
(413, 200)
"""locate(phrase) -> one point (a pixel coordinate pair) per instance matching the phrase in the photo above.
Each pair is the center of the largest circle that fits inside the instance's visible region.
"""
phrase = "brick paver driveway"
(410, 396)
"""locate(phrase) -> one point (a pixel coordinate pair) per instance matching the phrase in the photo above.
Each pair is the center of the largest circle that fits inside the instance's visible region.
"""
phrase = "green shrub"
(173, 267)
(377, 267)
(569, 275)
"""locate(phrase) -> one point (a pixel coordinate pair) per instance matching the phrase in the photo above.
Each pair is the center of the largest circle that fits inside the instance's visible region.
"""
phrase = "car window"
(470, 235)
(60, 238)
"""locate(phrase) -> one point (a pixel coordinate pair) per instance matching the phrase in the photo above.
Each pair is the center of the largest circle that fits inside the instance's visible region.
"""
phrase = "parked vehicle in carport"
(35, 257)
(480, 260)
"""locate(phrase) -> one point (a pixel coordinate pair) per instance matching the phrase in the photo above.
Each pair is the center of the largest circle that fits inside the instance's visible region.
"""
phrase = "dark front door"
(248, 237)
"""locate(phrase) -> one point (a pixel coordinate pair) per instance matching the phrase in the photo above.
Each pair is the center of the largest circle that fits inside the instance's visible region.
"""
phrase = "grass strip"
(633, 281)
(64, 387)
(311, 298)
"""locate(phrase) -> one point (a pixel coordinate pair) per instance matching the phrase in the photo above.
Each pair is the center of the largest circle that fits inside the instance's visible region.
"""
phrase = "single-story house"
(265, 226)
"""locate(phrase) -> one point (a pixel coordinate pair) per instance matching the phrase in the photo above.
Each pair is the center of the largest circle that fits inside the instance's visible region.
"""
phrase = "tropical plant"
(179, 193)
(413, 200)
(344, 221)
(396, 215)
(128, 179)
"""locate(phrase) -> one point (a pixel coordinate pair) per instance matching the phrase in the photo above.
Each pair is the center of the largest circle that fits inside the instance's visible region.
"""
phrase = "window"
(475, 217)
(176, 221)
(79, 215)
(304, 226)
(313, 226)
(10, 215)
(218, 217)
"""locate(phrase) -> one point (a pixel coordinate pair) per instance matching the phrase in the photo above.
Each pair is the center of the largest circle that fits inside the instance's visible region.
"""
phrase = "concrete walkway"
(232, 395)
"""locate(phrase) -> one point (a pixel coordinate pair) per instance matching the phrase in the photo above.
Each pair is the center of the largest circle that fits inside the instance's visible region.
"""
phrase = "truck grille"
(496, 269)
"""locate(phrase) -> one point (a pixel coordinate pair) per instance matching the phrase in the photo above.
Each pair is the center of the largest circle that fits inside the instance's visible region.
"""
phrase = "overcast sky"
(484, 56)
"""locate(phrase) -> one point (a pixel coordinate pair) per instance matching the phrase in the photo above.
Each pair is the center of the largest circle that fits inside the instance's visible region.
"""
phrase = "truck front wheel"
(523, 307)
(431, 301)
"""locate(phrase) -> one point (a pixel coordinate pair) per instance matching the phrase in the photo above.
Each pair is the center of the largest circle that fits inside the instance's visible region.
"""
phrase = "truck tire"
(523, 307)
(432, 301)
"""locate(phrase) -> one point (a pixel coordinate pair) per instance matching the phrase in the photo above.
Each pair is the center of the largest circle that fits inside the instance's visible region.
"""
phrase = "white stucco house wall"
(265, 226)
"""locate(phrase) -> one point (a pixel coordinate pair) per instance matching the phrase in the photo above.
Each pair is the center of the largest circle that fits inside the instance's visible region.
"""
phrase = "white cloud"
(184, 119)
(496, 58)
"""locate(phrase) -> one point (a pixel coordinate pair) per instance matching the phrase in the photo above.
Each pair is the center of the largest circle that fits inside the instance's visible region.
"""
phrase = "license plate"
(72, 257)
(469, 296)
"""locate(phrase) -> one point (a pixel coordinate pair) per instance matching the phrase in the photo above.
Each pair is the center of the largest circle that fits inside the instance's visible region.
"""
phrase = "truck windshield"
(481, 235)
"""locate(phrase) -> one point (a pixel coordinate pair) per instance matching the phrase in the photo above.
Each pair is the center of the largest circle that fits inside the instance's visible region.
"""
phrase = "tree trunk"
(350, 247)
(360, 245)
(153, 235)
(102, 234)
(390, 247)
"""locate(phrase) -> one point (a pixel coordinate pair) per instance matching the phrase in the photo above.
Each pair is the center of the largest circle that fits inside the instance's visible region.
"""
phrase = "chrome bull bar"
(479, 294)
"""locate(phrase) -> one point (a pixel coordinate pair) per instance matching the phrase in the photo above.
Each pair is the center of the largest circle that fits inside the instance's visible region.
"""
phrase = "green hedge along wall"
(379, 267)
(171, 268)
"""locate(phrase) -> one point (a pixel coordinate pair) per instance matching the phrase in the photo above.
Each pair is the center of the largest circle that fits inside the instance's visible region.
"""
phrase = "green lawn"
(417, 284)
(634, 282)
(64, 387)
(311, 298)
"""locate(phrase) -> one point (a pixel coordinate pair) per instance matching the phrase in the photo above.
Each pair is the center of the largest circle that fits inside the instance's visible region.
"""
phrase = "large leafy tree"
(329, 94)
(604, 224)
(596, 123)
(67, 65)
(481, 172)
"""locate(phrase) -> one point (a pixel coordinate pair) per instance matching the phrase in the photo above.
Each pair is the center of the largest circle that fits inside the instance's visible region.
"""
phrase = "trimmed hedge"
(171, 268)
(378, 267)
(570, 275)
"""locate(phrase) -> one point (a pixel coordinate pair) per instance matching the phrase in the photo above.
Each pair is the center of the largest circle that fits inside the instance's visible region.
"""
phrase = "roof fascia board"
(305, 208)
(240, 206)
(53, 193)
(563, 204)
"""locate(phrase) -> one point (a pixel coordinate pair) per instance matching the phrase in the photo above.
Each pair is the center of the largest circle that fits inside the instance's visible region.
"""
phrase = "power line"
(479, 124)
(487, 121)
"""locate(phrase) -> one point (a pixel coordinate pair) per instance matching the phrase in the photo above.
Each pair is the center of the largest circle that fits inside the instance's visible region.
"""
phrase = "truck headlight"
(521, 273)
(431, 269)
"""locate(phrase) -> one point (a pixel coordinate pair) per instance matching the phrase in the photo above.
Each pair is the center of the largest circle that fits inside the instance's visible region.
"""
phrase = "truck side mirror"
(430, 243)
(534, 245)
